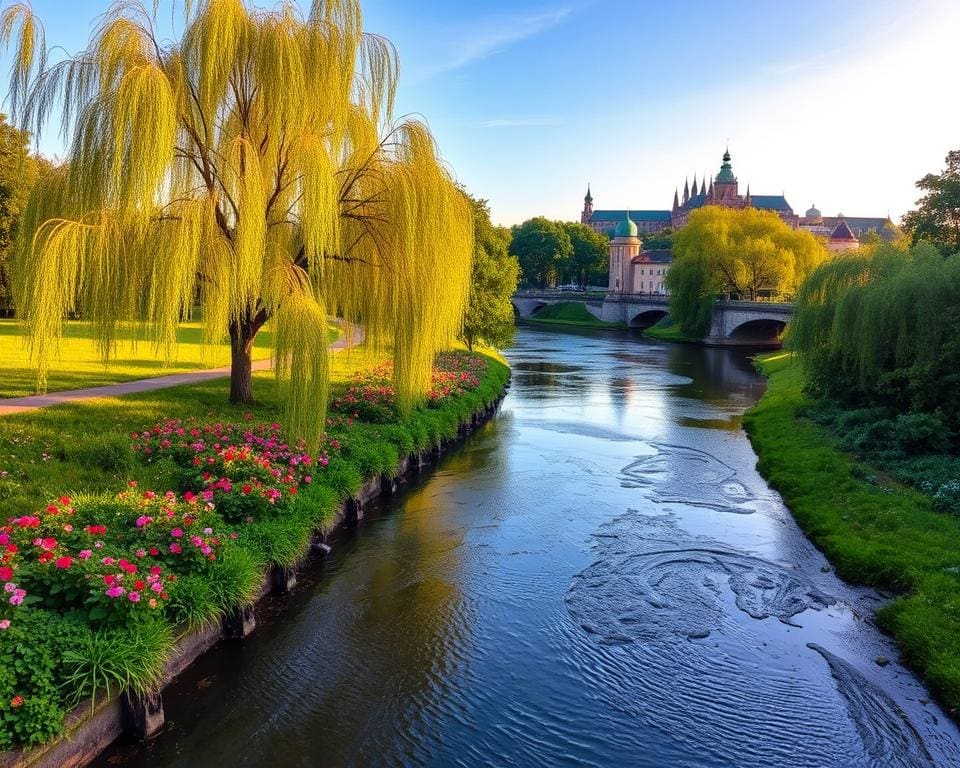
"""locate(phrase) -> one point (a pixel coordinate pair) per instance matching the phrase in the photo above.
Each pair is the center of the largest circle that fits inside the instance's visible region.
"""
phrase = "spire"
(676, 200)
(589, 197)
(748, 194)
(693, 192)
(686, 191)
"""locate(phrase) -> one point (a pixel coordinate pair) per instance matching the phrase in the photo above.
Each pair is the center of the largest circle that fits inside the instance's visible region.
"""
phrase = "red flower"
(108, 579)
(65, 500)
(127, 566)
(16, 701)
(154, 551)
(139, 584)
(63, 563)
(53, 509)
(6, 574)
(48, 542)
(45, 557)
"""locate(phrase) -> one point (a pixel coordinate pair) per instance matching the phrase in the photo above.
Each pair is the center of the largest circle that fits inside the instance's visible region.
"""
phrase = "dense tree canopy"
(937, 218)
(254, 161)
(591, 252)
(745, 253)
(18, 174)
(489, 319)
(883, 326)
(542, 248)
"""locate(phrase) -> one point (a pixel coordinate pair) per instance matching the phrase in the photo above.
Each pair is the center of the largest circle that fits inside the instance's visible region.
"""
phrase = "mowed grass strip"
(879, 534)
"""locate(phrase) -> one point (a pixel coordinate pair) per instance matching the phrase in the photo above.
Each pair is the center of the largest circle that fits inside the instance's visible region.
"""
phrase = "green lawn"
(570, 313)
(879, 534)
(666, 330)
(79, 364)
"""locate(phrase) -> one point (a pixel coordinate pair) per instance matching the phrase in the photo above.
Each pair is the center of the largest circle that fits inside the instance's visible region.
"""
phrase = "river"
(597, 577)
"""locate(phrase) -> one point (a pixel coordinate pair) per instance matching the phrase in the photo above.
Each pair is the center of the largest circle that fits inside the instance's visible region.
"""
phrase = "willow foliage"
(255, 164)
(883, 325)
(745, 252)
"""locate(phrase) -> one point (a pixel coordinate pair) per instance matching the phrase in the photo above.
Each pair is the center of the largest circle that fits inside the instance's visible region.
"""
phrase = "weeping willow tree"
(883, 326)
(254, 163)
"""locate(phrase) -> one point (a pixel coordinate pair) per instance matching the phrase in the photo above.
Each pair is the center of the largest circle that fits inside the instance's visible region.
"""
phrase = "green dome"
(726, 171)
(626, 228)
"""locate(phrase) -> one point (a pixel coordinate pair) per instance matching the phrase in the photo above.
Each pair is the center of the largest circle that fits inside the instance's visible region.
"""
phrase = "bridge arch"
(759, 332)
(647, 318)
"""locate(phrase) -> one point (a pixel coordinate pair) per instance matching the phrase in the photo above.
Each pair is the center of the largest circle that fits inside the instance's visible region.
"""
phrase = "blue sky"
(844, 103)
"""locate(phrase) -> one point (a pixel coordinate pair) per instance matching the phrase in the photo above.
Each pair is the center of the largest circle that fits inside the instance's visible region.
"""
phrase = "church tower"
(725, 186)
(587, 208)
(624, 246)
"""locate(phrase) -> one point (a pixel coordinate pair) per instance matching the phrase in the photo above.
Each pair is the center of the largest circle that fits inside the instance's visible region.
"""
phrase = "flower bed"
(97, 587)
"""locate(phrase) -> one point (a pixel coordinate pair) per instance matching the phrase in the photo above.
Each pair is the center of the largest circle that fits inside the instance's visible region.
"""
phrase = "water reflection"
(598, 577)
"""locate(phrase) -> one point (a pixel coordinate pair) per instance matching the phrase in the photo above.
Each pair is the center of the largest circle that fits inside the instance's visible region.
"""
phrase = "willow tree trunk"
(242, 334)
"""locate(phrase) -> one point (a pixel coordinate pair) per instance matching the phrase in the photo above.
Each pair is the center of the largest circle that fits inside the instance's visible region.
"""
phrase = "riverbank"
(876, 533)
(666, 330)
(570, 313)
(229, 501)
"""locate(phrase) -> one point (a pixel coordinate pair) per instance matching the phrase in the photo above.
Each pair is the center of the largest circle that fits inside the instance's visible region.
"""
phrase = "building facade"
(632, 269)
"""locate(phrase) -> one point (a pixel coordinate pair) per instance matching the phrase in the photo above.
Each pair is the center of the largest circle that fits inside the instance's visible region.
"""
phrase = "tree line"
(553, 253)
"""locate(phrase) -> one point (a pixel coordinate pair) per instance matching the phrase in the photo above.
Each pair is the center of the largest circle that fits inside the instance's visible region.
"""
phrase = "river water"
(598, 577)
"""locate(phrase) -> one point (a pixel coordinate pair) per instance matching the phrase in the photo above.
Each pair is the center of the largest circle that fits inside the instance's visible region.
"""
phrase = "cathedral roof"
(620, 215)
(813, 212)
(770, 202)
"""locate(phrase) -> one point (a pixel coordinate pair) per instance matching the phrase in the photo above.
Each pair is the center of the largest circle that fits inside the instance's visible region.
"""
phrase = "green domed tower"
(725, 185)
(626, 228)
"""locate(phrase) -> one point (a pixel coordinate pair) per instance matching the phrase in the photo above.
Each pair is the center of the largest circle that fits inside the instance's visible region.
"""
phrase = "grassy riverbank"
(667, 330)
(875, 532)
(210, 496)
(570, 313)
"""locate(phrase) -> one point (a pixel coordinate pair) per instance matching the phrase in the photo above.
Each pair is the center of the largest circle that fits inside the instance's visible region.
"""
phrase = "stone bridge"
(735, 323)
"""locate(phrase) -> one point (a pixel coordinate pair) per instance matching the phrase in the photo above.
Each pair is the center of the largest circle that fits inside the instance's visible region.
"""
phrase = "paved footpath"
(351, 337)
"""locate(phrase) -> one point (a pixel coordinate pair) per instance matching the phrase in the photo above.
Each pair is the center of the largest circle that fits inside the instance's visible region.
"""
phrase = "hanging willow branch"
(253, 163)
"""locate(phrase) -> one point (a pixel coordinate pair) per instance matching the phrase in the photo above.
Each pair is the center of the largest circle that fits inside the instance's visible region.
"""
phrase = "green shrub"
(131, 657)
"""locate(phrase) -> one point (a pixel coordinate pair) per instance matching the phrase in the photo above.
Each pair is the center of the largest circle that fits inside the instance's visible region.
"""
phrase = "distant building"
(724, 190)
(633, 270)
(823, 226)
(842, 239)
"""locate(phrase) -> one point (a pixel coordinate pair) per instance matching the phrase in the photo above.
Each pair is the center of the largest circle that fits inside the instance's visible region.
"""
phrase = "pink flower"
(84, 554)
(134, 597)
(176, 533)
(175, 548)
(157, 587)
(108, 561)
(144, 520)
(4, 623)
(115, 591)
(196, 541)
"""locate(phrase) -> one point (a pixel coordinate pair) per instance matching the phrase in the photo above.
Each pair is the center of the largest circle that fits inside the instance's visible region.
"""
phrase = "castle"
(634, 270)
(724, 190)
